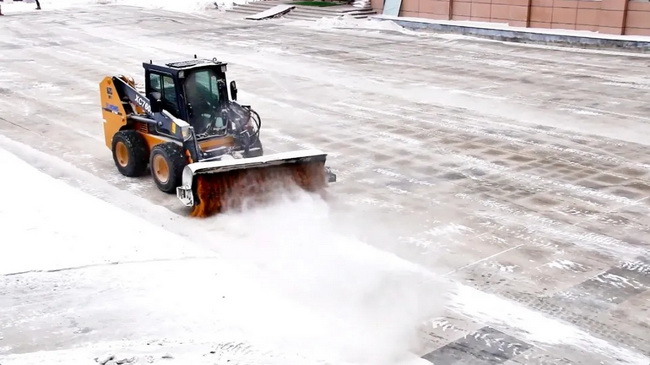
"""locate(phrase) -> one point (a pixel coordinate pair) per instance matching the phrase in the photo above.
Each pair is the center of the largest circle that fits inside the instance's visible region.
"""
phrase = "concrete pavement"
(521, 173)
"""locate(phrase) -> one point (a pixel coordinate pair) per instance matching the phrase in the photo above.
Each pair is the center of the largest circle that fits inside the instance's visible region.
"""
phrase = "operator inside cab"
(203, 94)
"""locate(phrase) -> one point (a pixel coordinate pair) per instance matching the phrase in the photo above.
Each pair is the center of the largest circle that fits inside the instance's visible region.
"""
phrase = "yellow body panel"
(112, 110)
(115, 118)
(217, 142)
(153, 140)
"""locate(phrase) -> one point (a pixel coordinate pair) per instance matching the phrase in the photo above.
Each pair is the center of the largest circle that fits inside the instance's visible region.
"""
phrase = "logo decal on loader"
(143, 103)
(112, 108)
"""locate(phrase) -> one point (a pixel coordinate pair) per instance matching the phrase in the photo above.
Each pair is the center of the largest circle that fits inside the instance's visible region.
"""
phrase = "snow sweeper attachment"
(211, 187)
(196, 141)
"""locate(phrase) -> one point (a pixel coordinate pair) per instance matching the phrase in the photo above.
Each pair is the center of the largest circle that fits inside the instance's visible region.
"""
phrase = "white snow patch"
(398, 190)
(638, 266)
(381, 204)
(444, 324)
(184, 6)
(449, 229)
(503, 268)
(350, 22)
(534, 327)
(619, 281)
(74, 237)
(386, 172)
(479, 95)
(580, 111)
(418, 242)
(346, 22)
(564, 264)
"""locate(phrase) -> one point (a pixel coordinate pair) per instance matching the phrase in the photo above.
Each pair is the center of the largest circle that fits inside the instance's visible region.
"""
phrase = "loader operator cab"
(194, 91)
(203, 92)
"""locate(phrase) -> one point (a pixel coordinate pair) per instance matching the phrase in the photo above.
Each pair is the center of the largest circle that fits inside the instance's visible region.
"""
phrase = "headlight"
(186, 132)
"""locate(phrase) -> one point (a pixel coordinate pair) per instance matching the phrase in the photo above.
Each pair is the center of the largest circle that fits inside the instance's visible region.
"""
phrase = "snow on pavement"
(108, 273)
(100, 281)
(89, 278)
(293, 276)
(184, 6)
(67, 229)
(535, 327)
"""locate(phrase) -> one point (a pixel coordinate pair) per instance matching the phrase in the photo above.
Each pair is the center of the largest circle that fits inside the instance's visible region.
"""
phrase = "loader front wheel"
(130, 153)
(167, 163)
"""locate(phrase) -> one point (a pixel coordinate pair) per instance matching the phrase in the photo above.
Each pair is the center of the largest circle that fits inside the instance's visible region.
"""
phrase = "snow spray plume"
(233, 189)
(348, 301)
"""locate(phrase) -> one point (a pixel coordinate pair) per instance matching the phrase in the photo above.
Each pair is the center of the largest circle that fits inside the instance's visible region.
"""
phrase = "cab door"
(165, 85)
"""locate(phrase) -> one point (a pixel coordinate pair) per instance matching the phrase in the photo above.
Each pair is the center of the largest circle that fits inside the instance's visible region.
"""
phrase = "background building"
(604, 16)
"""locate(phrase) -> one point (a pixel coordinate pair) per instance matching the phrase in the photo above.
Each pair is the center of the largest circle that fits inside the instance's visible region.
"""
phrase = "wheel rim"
(122, 154)
(160, 168)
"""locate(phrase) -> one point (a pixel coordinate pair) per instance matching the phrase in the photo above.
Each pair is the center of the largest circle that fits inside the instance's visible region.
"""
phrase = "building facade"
(604, 16)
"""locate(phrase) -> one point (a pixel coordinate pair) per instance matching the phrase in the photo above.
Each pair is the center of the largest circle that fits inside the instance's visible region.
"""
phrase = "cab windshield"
(204, 99)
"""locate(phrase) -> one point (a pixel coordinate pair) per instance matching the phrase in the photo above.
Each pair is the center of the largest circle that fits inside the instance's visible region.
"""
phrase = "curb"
(522, 36)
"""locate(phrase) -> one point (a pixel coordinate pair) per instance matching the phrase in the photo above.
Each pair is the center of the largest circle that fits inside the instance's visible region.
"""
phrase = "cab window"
(164, 84)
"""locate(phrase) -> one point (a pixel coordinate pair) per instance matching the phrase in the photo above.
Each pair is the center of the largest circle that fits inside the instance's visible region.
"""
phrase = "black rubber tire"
(173, 156)
(137, 153)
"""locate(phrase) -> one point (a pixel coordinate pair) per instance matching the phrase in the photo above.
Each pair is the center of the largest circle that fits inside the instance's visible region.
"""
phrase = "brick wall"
(604, 16)
(638, 18)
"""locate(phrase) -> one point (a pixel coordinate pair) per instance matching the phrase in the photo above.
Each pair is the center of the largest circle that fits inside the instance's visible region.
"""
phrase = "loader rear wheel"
(130, 153)
(167, 163)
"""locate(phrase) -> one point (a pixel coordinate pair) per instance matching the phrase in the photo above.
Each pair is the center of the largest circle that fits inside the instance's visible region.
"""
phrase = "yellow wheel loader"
(196, 140)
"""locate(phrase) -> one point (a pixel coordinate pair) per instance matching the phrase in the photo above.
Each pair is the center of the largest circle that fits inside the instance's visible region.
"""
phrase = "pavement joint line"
(483, 259)
(111, 263)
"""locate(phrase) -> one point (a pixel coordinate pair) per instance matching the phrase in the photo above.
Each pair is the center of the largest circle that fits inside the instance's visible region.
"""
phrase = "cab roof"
(186, 63)
(196, 62)
(178, 65)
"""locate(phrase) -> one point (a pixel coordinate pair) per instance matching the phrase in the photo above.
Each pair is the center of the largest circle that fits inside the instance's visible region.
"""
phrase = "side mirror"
(156, 102)
(233, 90)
